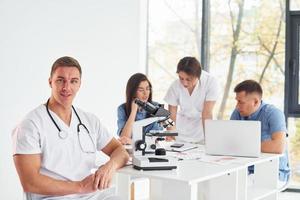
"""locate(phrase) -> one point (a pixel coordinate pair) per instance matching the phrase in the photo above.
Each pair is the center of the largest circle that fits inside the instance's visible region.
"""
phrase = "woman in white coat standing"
(191, 99)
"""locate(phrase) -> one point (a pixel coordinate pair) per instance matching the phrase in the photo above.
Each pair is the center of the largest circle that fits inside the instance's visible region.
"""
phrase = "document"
(220, 160)
(185, 147)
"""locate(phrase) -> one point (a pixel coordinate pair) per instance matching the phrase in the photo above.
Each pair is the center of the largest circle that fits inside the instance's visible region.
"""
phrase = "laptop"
(233, 138)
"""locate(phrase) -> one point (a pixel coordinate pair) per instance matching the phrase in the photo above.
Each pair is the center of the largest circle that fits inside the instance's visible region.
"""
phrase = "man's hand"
(125, 140)
(275, 145)
(103, 176)
(87, 184)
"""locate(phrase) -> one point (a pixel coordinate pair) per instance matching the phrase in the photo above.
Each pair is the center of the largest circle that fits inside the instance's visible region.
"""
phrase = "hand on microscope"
(170, 138)
(125, 140)
(125, 137)
(134, 108)
(171, 128)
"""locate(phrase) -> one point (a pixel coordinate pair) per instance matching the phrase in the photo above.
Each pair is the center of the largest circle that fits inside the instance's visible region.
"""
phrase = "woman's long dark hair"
(131, 90)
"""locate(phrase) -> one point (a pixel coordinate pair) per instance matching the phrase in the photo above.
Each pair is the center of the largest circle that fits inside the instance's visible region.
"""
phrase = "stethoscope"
(64, 134)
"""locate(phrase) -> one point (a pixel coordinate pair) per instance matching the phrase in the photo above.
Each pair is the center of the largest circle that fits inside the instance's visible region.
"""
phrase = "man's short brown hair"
(65, 61)
(249, 86)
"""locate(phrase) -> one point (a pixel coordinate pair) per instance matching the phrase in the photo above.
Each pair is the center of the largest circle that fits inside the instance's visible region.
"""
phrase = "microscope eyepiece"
(147, 106)
(153, 110)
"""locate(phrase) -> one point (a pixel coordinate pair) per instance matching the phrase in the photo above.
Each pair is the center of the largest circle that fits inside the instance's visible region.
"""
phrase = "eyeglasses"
(85, 139)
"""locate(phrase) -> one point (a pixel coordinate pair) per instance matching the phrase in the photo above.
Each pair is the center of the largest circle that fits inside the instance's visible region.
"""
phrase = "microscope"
(148, 150)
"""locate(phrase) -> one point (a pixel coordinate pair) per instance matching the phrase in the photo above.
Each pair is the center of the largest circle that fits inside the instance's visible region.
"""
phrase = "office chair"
(285, 185)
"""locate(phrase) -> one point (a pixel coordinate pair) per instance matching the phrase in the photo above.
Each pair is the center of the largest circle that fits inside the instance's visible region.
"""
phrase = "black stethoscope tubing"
(47, 108)
(78, 127)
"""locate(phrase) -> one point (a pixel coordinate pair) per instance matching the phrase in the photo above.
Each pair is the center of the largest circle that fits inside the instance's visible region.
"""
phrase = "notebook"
(233, 138)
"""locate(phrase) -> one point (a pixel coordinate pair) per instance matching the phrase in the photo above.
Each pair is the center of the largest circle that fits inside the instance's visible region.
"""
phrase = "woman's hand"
(125, 140)
(170, 138)
(134, 107)
(127, 129)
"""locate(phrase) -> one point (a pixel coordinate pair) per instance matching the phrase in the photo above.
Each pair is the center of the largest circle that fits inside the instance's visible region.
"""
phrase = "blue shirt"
(272, 120)
(122, 119)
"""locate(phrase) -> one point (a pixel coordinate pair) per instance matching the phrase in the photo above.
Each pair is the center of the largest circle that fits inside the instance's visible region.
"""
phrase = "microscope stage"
(154, 162)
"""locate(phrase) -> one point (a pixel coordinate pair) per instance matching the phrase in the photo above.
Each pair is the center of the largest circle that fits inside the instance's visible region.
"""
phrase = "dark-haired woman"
(195, 93)
(138, 87)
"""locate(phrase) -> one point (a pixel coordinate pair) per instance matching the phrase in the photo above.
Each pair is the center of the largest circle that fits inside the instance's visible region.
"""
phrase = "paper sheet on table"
(220, 160)
(185, 147)
(194, 154)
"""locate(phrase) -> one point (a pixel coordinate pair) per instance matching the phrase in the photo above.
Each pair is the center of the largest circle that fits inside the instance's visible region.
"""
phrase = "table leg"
(224, 187)
(170, 190)
(123, 186)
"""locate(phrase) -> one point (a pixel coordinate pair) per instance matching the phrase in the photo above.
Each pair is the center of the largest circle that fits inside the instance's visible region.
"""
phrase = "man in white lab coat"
(55, 145)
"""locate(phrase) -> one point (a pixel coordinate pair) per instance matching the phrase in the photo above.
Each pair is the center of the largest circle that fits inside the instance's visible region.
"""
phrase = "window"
(174, 31)
(292, 71)
(245, 41)
(292, 100)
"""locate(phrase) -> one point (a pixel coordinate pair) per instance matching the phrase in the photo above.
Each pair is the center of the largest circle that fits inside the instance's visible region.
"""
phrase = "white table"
(195, 179)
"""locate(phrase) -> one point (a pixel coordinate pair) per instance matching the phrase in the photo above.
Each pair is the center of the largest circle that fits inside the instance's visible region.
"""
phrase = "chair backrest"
(285, 185)
(27, 196)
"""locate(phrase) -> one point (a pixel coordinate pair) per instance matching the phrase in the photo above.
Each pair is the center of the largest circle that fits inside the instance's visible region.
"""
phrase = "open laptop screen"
(233, 137)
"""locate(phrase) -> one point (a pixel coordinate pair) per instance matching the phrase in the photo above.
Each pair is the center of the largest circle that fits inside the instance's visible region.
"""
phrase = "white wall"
(104, 36)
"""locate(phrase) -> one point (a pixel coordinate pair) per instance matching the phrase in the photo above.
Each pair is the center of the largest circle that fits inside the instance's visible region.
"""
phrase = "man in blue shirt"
(273, 127)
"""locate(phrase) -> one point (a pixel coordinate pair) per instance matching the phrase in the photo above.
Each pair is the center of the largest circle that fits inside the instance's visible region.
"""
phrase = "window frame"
(292, 105)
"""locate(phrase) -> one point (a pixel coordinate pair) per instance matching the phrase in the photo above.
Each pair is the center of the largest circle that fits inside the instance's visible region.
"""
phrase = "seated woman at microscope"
(138, 87)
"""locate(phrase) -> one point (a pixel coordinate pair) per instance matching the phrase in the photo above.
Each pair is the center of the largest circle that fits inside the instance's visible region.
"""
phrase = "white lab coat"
(62, 159)
(189, 115)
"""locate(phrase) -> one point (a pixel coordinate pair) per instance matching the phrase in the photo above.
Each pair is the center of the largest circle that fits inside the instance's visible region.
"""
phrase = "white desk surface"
(253, 161)
(225, 174)
(194, 171)
(188, 171)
